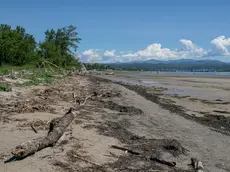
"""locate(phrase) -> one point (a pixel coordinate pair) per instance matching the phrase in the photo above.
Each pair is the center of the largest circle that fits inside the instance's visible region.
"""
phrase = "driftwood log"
(56, 130)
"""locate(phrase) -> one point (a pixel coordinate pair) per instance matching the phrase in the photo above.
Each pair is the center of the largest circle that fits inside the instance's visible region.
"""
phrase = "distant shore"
(170, 74)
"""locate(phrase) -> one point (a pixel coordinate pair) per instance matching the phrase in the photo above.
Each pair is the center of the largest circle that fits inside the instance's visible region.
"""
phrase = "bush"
(5, 87)
(38, 78)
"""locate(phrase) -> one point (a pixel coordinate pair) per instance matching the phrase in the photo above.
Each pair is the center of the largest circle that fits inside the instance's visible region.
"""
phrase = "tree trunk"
(57, 129)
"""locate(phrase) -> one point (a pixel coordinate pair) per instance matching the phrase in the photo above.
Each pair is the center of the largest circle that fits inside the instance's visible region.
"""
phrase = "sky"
(131, 30)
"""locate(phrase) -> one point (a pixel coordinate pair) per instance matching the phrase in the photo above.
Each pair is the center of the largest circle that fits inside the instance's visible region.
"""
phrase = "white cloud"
(191, 50)
(91, 55)
(109, 53)
(156, 51)
(188, 44)
(221, 44)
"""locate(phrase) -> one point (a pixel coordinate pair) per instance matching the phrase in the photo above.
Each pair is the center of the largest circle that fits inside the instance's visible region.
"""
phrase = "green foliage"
(37, 78)
(97, 66)
(36, 90)
(59, 46)
(5, 87)
(16, 46)
(195, 66)
(5, 69)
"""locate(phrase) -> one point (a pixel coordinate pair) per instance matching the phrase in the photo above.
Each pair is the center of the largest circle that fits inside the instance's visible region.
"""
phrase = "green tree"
(16, 46)
(59, 46)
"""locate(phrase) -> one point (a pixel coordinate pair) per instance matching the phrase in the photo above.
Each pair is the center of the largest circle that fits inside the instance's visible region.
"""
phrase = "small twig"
(102, 94)
(90, 162)
(51, 68)
(88, 97)
(77, 101)
(125, 149)
(112, 155)
(56, 67)
(32, 126)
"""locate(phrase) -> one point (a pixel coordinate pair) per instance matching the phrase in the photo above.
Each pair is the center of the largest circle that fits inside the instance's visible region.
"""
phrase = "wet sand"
(198, 94)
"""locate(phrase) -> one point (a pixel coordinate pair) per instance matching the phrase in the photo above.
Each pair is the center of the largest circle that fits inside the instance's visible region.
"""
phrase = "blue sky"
(126, 30)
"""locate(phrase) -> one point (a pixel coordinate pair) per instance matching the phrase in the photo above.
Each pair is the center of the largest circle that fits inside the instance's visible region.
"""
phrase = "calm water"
(181, 73)
(147, 79)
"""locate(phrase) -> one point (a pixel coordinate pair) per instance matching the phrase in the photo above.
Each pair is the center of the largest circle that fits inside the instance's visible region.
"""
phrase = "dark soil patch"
(67, 167)
(217, 101)
(117, 130)
(123, 109)
(217, 121)
(223, 167)
(77, 121)
(32, 105)
(222, 111)
(146, 148)
(111, 94)
(89, 126)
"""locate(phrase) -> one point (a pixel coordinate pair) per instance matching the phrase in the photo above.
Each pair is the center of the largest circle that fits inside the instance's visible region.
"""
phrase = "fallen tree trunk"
(57, 129)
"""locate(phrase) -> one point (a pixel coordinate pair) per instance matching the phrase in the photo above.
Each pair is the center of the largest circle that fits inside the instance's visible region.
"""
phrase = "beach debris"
(33, 128)
(175, 148)
(157, 157)
(125, 149)
(121, 108)
(88, 97)
(109, 73)
(75, 155)
(197, 165)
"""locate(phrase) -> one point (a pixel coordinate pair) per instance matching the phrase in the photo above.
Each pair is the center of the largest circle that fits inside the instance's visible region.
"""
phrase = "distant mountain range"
(152, 61)
(174, 65)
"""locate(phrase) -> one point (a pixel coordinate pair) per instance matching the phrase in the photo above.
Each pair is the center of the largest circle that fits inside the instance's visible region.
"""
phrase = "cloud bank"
(156, 51)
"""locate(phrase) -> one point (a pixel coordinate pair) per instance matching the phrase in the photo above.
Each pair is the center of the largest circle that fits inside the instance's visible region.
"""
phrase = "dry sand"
(125, 119)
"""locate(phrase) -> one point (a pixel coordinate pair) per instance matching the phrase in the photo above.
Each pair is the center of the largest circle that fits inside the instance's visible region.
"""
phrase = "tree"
(16, 46)
(59, 46)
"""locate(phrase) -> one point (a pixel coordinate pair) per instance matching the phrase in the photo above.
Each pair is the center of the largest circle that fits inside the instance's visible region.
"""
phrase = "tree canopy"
(59, 46)
(17, 47)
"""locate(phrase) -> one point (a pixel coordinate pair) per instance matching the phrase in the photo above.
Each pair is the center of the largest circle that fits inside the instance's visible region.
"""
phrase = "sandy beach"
(144, 114)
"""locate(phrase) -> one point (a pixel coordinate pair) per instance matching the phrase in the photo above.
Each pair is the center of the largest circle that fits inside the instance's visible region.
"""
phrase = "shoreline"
(218, 123)
(175, 74)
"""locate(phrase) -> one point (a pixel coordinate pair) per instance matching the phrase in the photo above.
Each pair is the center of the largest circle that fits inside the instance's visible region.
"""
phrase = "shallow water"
(139, 82)
(139, 74)
(151, 83)
(182, 92)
